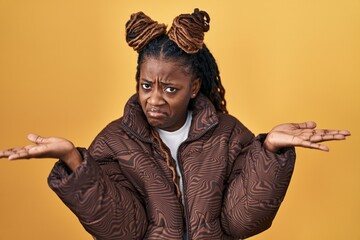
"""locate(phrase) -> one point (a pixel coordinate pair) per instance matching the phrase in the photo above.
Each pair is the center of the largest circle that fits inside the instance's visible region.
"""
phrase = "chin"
(155, 123)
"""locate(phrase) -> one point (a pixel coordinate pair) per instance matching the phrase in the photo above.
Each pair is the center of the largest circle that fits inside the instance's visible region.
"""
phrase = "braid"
(211, 85)
(140, 29)
(187, 30)
(171, 165)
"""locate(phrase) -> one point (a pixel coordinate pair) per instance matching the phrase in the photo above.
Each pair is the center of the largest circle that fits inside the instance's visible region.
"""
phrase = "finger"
(332, 132)
(320, 147)
(329, 137)
(312, 145)
(20, 153)
(28, 151)
(10, 151)
(308, 134)
(343, 132)
(33, 151)
(306, 125)
(36, 138)
(5, 153)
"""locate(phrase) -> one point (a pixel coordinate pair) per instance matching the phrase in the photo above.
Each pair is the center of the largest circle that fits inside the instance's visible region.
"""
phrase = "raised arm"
(94, 189)
(262, 172)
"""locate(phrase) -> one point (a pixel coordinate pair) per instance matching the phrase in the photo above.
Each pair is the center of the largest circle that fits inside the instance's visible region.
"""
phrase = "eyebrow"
(162, 83)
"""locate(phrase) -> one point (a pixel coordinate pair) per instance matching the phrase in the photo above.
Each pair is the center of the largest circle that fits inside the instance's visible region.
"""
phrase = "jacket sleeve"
(256, 187)
(98, 194)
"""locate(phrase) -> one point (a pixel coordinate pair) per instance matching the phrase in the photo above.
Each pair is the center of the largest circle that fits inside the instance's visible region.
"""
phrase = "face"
(165, 90)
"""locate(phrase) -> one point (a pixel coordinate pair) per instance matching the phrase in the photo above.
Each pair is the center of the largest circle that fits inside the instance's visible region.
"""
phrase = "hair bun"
(187, 30)
(140, 29)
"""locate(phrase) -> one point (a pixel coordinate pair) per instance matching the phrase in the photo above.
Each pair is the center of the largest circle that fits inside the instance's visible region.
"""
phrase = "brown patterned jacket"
(233, 187)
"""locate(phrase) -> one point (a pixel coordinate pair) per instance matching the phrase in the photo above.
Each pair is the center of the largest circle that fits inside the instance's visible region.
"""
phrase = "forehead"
(164, 66)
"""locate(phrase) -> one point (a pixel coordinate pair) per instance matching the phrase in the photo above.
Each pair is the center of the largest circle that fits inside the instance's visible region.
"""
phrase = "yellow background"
(65, 70)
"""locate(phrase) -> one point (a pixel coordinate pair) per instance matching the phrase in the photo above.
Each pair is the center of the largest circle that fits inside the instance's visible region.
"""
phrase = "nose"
(156, 98)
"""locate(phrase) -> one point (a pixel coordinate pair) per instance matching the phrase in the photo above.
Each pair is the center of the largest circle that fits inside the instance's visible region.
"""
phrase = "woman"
(176, 165)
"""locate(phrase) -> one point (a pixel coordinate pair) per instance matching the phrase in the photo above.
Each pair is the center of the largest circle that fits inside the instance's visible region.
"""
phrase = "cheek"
(142, 100)
(178, 106)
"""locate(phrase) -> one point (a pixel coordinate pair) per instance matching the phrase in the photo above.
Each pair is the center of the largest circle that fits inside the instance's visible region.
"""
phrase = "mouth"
(155, 113)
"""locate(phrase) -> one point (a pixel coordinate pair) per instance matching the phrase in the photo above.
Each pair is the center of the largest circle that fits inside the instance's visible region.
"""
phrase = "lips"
(155, 112)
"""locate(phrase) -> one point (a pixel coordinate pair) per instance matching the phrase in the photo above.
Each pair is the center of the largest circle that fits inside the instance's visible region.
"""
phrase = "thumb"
(36, 138)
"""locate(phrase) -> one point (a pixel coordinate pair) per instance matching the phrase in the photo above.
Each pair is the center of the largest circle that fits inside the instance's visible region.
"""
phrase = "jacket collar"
(204, 118)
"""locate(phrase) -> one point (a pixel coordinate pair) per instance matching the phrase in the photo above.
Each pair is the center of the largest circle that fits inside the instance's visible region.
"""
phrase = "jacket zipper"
(186, 210)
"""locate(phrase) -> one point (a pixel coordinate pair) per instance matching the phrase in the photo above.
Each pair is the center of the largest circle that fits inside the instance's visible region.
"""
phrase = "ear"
(195, 87)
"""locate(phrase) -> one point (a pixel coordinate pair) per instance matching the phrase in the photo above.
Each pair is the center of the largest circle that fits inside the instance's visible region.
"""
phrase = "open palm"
(52, 147)
(301, 135)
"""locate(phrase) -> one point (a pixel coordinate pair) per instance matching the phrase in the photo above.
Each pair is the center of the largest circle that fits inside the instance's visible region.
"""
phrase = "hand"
(301, 135)
(52, 147)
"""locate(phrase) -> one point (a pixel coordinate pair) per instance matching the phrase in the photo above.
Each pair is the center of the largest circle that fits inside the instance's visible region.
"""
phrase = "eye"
(146, 86)
(170, 90)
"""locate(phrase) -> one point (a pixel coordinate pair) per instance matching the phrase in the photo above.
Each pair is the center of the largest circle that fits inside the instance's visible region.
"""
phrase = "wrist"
(73, 159)
(268, 145)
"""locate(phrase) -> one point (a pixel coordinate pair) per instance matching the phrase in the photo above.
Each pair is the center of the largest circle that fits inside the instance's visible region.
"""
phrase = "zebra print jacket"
(125, 188)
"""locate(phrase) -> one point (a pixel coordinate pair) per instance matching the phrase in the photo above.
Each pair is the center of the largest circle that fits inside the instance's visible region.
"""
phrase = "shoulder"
(238, 131)
(111, 129)
(111, 138)
(114, 126)
(229, 121)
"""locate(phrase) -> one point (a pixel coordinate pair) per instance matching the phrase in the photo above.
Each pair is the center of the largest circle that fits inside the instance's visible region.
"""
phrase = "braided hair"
(184, 43)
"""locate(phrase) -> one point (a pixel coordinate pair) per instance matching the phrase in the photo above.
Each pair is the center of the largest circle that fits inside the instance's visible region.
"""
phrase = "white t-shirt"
(173, 141)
